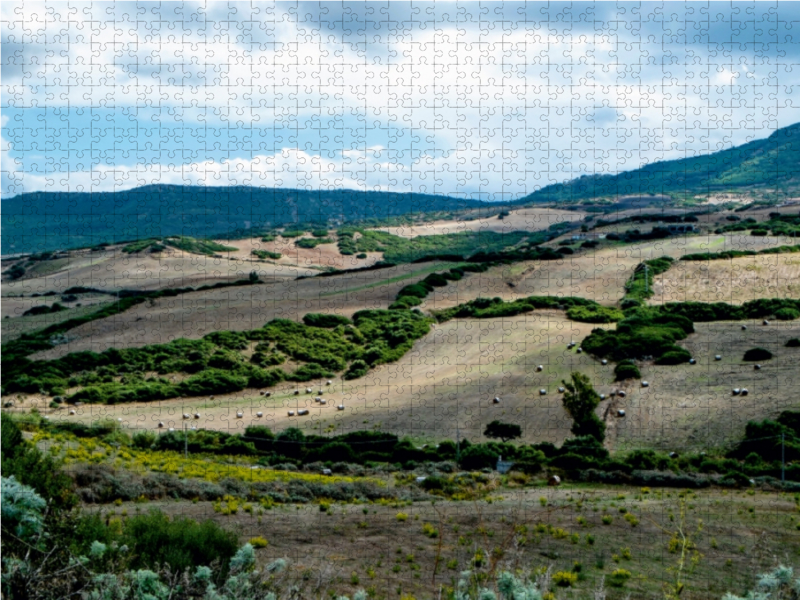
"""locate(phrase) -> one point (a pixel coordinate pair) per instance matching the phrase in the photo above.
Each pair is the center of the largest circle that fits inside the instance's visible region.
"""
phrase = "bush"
(619, 577)
(787, 314)
(626, 370)
(674, 357)
(595, 314)
(325, 320)
(757, 354)
(478, 456)
(358, 368)
(793, 343)
(180, 543)
(258, 542)
(211, 381)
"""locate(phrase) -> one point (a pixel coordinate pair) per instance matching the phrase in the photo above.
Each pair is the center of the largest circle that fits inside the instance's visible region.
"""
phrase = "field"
(449, 378)
(734, 281)
(366, 546)
(524, 219)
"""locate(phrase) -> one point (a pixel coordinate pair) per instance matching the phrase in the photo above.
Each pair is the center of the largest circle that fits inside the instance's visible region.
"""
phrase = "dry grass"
(734, 281)
(524, 219)
(390, 557)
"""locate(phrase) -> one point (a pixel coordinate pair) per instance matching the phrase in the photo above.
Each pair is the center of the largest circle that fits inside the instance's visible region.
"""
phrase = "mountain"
(42, 221)
(772, 163)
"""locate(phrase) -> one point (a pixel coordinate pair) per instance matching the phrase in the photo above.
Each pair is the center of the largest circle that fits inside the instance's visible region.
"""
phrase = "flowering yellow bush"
(402, 517)
(258, 542)
(565, 578)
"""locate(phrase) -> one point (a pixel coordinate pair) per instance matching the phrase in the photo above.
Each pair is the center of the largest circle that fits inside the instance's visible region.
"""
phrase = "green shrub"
(626, 370)
(787, 314)
(180, 543)
(325, 320)
(211, 381)
(308, 372)
(478, 456)
(793, 343)
(757, 354)
(595, 314)
(358, 368)
(265, 254)
(674, 357)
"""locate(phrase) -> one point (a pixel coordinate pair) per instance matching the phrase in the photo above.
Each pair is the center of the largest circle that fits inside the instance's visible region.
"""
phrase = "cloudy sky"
(480, 100)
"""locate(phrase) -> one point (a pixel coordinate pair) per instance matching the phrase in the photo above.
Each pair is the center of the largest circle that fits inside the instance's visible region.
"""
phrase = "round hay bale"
(561, 390)
(542, 392)
(579, 351)
(540, 368)
(757, 367)
(554, 481)
(340, 407)
(160, 424)
(72, 412)
(496, 400)
(718, 357)
(196, 415)
(259, 415)
(604, 362)
(239, 415)
(744, 392)
(621, 394)
(645, 384)
(744, 327)
(621, 412)
(692, 361)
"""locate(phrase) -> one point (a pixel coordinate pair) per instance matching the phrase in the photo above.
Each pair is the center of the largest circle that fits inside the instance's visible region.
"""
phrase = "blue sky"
(481, 100)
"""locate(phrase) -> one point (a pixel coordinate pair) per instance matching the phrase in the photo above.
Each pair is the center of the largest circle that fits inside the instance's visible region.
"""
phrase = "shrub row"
(640, 286)
(413, 295)
(487, 308)
(728, 254)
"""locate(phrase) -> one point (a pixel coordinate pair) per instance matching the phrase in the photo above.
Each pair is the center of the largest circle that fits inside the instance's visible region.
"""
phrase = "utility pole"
(783, 458)
(458, 446)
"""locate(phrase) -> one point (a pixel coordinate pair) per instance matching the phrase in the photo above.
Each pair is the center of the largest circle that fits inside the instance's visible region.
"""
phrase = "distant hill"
(43, 221)
(770, 163)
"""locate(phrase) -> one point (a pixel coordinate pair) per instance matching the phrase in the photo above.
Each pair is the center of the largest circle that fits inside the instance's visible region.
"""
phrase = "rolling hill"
(44, 221)
(770, 163)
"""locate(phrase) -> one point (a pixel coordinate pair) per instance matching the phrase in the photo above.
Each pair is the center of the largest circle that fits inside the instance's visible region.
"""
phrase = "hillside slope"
(43, 221)
(773, 163)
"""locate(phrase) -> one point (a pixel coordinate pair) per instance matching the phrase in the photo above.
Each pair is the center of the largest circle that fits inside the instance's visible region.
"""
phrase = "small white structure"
(340, 407)
(718, 357)
(160, 424)
(420, 479)
(326, 471)
(542, 392)
(621, 413)
(259, 415)
(645, 384)
(496, 400)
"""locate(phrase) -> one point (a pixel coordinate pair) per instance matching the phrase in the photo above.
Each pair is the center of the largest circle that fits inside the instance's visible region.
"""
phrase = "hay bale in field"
(621, 412)
(496, 400)
(554, 481)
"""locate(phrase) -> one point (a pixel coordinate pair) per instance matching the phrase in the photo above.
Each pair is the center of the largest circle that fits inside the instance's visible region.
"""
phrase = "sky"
(488, 101)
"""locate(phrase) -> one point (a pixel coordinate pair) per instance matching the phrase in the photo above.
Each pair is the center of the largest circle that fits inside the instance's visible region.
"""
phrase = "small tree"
(502, 431)
(253, 277)
(580, 401)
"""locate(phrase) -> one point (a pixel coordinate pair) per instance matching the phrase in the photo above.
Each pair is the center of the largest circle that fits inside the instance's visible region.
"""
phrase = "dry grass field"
(524, 219)
(367, 547)
(734, 281)
(196, 314)
(449, 378)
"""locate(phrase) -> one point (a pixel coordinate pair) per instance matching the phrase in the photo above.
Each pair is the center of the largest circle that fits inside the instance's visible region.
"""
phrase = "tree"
(502, 431)
(253, 277)
(580, 401)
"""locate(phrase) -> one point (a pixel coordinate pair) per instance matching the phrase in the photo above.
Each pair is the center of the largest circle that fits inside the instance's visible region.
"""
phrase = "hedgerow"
(640, 286)
(487, 308)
